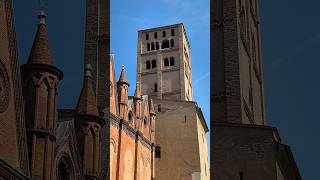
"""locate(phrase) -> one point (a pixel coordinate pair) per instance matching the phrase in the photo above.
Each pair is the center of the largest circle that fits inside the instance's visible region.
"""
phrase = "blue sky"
(127, 17)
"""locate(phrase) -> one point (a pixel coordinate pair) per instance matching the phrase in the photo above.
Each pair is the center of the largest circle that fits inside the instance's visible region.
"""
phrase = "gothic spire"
(123, 78)
(87, 102)
(40, 51)
(151, 106)
(137, 93)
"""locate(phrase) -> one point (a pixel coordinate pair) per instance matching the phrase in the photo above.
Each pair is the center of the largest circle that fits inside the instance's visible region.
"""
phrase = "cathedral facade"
(38, 140)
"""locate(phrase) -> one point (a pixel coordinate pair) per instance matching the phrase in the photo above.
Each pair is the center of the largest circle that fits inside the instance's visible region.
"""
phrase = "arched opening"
(148, 65)
(166, 62)
(157, 46)
(148, 47)
(65, 169)
(171, 61)
(130, 116)
(164, 34)
(172, 32)
(154, 64)
(165, 44)
(147, 36)
(172, 43)
(152, 46)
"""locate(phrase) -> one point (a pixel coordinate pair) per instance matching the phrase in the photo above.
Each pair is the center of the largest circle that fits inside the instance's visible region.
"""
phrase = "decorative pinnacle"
(42, 18)
(137, 84)
(88, 70)
(122, 67)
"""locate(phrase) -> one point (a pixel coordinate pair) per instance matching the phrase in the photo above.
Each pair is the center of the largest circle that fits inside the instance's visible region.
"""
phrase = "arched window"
(155, 35)
(172, 43)
(164, 34)
(148, 47)
(172, 32)
(154, 64)
(65, 169)
(152, 46)
(166, 62)
(157, 45)
(130, 116)
(157, 152)
(148, 65)
(145, 120)
(147, 36)
(165, 44)
(171, 61)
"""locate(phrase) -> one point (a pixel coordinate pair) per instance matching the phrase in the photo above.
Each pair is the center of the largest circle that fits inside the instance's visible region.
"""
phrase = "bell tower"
(237, 69)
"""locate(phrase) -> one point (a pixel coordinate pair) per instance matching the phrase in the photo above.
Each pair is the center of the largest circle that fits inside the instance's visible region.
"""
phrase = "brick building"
(132, 131)
(37, 140)
(244, 147)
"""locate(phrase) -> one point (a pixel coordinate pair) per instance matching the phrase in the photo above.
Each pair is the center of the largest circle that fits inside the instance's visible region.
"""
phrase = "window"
(157, 152)
(159, 107)
(155, 35)
(155, 87)
(154, 64)
(147, 36)
(164, 34)
(148, 47)
(145, 120)
(185, 119)
(152, 46)
(172, 32)
(148, 64)
(157, 46)
(172, 43)
(241, 175)
(166, 62)
(130, 116)
(171, 61)
(165, 44)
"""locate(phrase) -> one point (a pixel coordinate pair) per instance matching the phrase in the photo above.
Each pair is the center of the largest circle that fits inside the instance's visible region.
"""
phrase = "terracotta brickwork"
(132, 126)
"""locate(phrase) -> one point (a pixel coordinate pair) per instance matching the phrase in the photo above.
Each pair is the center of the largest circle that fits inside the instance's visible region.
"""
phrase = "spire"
(87, 102)
(123, 78)
(137, 93)
(40, 51)
(152, 112)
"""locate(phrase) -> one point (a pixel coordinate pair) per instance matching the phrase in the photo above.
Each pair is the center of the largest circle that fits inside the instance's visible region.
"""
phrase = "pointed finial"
(122, 67)
(42, 18)
(137, 84)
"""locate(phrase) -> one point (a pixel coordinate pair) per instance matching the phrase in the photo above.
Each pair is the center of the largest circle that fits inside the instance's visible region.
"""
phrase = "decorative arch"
(165, 44)
(65, 168)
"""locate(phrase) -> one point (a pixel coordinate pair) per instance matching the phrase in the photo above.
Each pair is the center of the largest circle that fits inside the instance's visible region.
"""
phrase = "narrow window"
(172, 32)
(155, 87)
(155, 35)
(157, 46)
(147, 36)
(148, 47)
(152, 46)
(172, 43)
(154, 64)
(145, 120)
(130, 115)
(157, 152)
(148, 64)
(166, 62)
(185, 119)
(159, 107)
(241, 175)
(164, 34)
(171, 61)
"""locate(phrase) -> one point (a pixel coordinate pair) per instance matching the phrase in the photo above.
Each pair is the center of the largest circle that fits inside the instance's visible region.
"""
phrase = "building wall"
(177, 133)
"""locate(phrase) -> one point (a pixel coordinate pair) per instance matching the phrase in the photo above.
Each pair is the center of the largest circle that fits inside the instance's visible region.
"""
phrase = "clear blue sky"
(290, 40)
(127, 17)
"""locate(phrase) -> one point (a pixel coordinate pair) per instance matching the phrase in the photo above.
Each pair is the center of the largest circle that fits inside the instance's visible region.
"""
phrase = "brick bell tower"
(88, 127)
(237, 66)
(40, 80)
